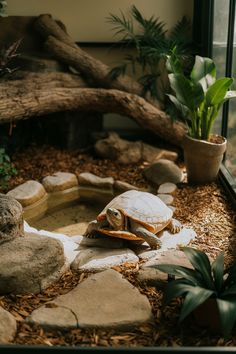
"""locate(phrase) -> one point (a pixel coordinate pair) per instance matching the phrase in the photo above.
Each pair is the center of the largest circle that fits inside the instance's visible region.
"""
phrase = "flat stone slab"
(7, 326)
(163, 171)
(168, 241)
(167, 188)
(28, 193)
(97, 258)
(29, 264)
(60, 181)
(103, 300)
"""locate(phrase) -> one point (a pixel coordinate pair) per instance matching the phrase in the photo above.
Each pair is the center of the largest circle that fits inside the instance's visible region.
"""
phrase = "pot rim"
(224, 140)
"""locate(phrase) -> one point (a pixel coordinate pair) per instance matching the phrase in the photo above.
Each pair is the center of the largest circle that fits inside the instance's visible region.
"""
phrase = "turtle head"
(115, 218)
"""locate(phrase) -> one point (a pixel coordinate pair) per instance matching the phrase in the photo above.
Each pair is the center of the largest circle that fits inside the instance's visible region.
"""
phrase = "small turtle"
(134, 215)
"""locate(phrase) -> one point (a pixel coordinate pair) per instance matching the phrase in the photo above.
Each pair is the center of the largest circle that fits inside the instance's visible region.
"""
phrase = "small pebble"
(166, 198)
(167, 188)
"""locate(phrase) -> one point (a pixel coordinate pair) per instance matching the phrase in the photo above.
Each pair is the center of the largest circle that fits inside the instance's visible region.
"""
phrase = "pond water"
(70, 221)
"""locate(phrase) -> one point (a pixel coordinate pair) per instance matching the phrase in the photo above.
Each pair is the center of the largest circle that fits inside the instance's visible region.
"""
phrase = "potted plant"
(199, 98)
(205, 287)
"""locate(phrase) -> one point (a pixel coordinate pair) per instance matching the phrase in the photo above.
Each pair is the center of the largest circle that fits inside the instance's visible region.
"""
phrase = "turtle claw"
(175, 226)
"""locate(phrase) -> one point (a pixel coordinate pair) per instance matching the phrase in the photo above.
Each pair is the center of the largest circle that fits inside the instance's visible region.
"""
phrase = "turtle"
(134, 215)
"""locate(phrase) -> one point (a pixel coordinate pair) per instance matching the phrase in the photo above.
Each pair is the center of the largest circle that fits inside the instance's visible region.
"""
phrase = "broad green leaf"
(203, 72)
(216, 92)
(198, 94)
(173, 64)
(182, 108)
(200, 262)
(227, 310)
(183, 90)
(195, 297)
(218, 271)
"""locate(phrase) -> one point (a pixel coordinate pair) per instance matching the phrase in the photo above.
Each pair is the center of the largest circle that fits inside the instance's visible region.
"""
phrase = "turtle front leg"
(146, 235)
(93, 227)
(174, 226)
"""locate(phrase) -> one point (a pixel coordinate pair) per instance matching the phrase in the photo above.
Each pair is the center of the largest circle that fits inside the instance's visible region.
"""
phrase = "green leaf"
(176, 288)
(190, 275)
(195, 297)
(230, 94)
(203, 72)
(227, 310)
(183, 90)
(215, 95)
(200, 262)
(182, 108)
(218, 271)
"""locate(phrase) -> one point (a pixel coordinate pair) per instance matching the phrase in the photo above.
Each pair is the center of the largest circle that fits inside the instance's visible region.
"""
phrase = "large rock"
(104, 300)
(11, 219)
(89, 179)
(60, 181)
(163, 171)
(130, 152)
(30, 264)
(97, 258)
(7, 326)
(28, 193)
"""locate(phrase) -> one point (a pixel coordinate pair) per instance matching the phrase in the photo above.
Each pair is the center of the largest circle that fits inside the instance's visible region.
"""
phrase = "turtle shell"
(142, 207)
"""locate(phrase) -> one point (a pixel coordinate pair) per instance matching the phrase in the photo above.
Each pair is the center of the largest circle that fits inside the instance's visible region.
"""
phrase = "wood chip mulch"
(205, 208)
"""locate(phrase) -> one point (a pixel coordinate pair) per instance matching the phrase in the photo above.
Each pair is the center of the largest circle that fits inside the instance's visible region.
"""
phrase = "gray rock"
(163, 171)
(28, 193)
(154, 277)
(166, 198)
(167, 188)
(89, 179)
(97, 258)
(103, 300)
(30, 264)
(7, 326)
(11, 219)
(60, 181)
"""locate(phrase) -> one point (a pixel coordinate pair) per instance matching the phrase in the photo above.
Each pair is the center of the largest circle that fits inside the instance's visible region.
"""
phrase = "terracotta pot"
(207, 315)
(203, 158)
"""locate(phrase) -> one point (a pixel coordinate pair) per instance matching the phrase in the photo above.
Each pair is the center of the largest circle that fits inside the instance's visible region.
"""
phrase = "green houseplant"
(204, 285)
(199, 98)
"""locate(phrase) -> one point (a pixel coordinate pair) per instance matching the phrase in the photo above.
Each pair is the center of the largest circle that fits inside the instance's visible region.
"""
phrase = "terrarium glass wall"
(224, 54)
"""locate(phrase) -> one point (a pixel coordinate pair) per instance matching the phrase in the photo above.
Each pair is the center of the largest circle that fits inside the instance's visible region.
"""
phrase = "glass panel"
(230, 161)
(220, 33)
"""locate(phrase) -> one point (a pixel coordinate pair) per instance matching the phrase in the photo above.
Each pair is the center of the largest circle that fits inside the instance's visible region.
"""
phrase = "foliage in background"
(7, 170)
(152, 44)
(204, 281)
(3, 8)
(199, 96)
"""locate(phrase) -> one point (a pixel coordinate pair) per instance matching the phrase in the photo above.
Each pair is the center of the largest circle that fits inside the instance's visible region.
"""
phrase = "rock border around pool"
(63, 189)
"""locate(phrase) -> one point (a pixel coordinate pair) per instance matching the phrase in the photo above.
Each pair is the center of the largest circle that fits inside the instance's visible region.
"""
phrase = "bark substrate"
(205, 208)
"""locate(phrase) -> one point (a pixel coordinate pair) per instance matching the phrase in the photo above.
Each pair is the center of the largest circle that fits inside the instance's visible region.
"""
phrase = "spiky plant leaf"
(201, 263)
(227, 310)
(176, 288)
(228, 292)
(181, 29)
(190, 275)
(193, 299)
(218, 271)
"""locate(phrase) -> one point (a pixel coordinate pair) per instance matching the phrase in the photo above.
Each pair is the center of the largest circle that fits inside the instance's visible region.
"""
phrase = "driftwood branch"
(43, 101)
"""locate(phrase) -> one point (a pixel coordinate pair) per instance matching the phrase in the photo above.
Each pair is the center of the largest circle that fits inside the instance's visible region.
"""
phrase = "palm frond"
(181, 30)
(122, 26)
